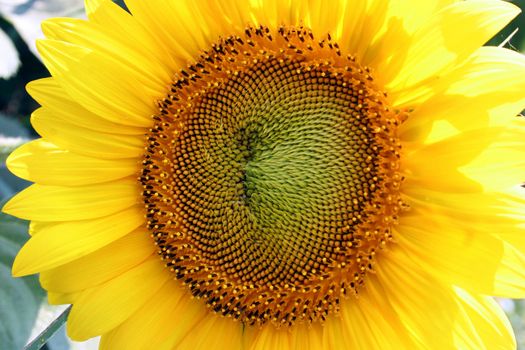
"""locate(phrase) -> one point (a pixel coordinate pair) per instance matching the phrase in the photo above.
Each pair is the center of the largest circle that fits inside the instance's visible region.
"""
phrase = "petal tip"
(15, 164)
(17, 205)
(8, 207)
(19, 269)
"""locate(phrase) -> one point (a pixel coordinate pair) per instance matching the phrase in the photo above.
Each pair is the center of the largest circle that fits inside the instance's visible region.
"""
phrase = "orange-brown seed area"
(271, 176)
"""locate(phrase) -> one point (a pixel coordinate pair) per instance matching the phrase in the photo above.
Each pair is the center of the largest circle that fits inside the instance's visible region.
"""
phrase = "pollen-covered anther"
(271, 176)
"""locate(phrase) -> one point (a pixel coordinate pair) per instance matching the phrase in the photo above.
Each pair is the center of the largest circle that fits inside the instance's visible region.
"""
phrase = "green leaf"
(20, 298)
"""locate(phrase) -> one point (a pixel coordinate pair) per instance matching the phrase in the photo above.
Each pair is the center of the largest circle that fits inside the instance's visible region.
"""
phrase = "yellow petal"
(84, 141)
(204, 334)
(351, 24)
(419, 300)
(92, 6)
(481, 251)
(387, 51)
(510, 275)
(270, 13)
(415, 13)
(437, 166)
(496, 213)
(89, 78)
(501, 166)
(43, 162)
(104, 307)
(449, 38)
(61, 298)
(466, 96)
(301, 336)
(100, 266)
(127, 30)
(61, 243)
(322, 19)
(457, 257)
(367, 321)
(186, 27)
(152, 72)
(56, 203)
(365, 41)
(49, 94)
(146, 328)
(270, 338)
(483, 324)
(459, 320)
(308, 337)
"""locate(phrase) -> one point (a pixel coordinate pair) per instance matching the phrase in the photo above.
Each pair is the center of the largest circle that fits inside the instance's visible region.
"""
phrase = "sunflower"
(278, 174)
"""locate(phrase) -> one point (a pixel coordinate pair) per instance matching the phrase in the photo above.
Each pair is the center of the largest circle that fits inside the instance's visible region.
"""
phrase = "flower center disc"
(270, 177)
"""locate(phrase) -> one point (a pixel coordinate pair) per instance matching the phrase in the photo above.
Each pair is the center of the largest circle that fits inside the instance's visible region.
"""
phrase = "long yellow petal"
(477, 250)
(57, 203)
(367, 321)
(406, 288)
(85, 141)
(453, 256)
(153, 72)
(270, 13)
(100, 266)
(186, 27)
(54, 98)
(146, 328)
(89, 78)
(415, 13)
(483, 324)
(436, 166)
(501, 166)
(43, 162)
(107, 14)
(449, 38)
(204, 334)
(466, 96)
(100, 309)
(510, 275)
(61, 298)
(304, 336)
(269, 338)
(91, 6)
(61, 243)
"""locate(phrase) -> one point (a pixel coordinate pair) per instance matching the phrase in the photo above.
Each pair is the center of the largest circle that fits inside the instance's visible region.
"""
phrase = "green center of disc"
(273, 169)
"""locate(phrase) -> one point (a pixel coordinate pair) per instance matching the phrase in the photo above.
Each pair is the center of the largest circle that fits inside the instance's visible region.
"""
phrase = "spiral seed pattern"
(271, 176)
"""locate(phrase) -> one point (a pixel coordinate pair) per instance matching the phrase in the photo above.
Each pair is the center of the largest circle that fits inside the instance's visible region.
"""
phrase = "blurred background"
(24, 312)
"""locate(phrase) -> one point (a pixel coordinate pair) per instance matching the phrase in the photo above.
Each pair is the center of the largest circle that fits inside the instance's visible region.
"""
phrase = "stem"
(47, 333)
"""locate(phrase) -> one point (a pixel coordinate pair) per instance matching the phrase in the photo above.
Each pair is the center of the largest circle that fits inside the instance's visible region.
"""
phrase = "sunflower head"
(270, 174)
